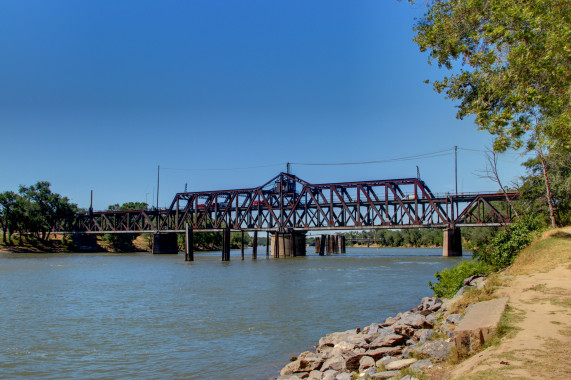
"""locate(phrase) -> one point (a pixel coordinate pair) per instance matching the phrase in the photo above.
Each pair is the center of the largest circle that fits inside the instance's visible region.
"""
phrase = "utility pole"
(158, 183)
(288, 168)
(456, 167)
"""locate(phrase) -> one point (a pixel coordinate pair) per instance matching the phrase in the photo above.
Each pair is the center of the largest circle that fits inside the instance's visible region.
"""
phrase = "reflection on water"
(145, 316)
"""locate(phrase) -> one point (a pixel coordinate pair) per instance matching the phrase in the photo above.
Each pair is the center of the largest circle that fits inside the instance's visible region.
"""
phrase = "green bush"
(502, 250)
(450, 280)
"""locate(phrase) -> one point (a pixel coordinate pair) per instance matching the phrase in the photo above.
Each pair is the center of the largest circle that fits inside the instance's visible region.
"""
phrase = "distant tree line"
(35, 210)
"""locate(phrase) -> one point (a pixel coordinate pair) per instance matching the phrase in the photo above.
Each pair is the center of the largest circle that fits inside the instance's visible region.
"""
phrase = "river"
(146, 316)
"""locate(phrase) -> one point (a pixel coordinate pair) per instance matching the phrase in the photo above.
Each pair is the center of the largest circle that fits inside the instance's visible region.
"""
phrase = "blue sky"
(94, 95)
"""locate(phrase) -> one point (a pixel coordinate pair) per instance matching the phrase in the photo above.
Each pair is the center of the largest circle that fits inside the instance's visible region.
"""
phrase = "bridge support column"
(452, 242)
(188, 244)
(317, 244)
(165, 243)
(85, 242)
(341, 239)
(226, 244)
(323, 245)
(288, 244)
(255, 246)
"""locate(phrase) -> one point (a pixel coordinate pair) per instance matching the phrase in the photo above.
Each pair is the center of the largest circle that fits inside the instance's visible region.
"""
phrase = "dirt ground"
(539, 346)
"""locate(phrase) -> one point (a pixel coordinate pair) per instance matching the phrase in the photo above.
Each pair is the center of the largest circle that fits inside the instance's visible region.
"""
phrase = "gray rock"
(454, 318)
(368, 373)
(330, 374)
(301, 365)
(374, 328)
(352, 363)
(385, 360)
(366, 362)
(403, 330)
(438, 350)
(390, 320)
(315, 375)
(385, 375)
(399, 364)
(336, 337)
(431, 304)
(343, 376)
(384, 351)
(409, 377)
(421, 364)
(336, 363)
(389, 340)
(416, 321)
(432, 318)
(423, 335)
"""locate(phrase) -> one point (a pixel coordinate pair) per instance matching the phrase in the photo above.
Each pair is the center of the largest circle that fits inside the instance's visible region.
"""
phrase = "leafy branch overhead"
(514, 61)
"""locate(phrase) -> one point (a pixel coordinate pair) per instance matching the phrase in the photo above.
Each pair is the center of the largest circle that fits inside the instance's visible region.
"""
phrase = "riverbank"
(534, 338)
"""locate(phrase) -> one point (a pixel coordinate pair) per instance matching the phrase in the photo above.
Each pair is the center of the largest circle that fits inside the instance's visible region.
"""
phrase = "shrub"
(502, 250)
(450, 280)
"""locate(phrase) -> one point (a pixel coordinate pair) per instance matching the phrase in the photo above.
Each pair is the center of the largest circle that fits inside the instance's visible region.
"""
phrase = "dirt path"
(540, 305)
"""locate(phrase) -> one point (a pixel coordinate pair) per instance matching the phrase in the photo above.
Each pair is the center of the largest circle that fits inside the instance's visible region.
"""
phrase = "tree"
(533, 197)
(44, 210)
(8, 201)
(515, 70)
(128, 206)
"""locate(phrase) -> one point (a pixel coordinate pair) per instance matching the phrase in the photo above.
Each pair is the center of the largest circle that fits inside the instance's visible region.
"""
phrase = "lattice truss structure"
(287, 203)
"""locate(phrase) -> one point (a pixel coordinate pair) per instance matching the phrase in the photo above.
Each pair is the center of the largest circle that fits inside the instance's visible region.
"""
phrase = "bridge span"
(287, 205)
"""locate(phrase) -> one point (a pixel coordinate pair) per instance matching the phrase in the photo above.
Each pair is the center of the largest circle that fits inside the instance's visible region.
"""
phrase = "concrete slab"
(480, 323)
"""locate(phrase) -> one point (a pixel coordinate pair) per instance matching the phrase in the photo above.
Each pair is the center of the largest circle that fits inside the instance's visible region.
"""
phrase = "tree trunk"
(547, 188)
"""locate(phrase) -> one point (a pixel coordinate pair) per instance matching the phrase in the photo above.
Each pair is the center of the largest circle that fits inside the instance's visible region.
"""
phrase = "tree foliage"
(532, 191)
(515, 59)
(34, 209)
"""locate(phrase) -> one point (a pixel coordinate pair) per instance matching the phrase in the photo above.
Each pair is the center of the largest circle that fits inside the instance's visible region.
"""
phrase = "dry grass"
(552, 250)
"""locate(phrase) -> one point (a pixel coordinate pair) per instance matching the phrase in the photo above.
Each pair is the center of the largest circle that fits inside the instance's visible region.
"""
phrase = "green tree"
(128, 206)
(8, 200)
(515, 69)
(44, 210)
(531, 189)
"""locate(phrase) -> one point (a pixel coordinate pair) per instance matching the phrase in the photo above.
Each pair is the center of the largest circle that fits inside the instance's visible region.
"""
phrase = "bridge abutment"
(165, 243)
(452, 242)
(289, 244)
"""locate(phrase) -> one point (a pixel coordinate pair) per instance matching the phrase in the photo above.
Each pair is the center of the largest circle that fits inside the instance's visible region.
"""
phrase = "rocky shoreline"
(399, 348)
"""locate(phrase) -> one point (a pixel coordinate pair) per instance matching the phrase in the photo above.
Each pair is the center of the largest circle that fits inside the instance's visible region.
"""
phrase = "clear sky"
(94, 95)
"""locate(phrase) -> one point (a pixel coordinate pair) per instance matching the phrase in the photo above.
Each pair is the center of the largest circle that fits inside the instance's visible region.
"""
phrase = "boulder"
(336, 337)
(315, 375)
(390, 320)
(385, 360)
(454, 318)
(480, 323)
(366, 362)
(330, 374)
(384, 351)
(352, 363)
(385, 375)
(423, 335)
(420, 365)
(336, 363)
(386, 341)
(301, 365)
(409, 377)
(438, 350)
(416, 321)
(399, 364)
(343, 376)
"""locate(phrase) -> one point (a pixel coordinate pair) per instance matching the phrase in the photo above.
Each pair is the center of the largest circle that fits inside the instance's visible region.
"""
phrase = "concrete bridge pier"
(85, 242)
(452, 242)
(289, 244)
(165, 243)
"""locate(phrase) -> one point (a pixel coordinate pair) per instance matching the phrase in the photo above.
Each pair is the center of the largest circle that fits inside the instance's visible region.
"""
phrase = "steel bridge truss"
(288, 203)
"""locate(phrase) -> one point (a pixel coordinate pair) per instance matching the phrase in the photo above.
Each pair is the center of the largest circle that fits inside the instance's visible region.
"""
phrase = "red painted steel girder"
(289, 203)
